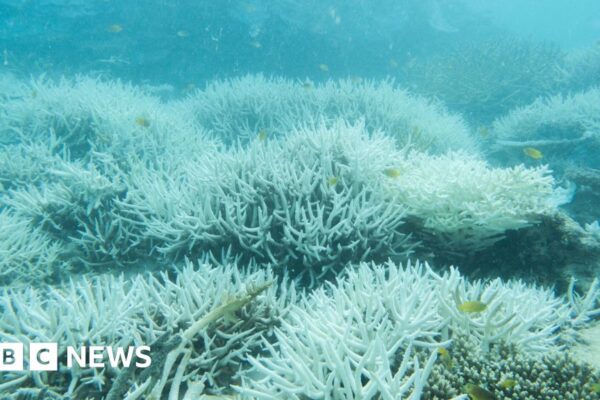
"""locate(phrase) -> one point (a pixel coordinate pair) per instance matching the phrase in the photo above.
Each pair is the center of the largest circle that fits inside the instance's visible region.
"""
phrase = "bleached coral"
(375, 333)
(238, 109)
(353, 341)
(310, 202)
(117, 192)
(525, 316)
(582, 68)
(73, 208)
(84, 115)
(27, 252)
(358, 339)
(465, 205)
(115, 311)
(557, 124)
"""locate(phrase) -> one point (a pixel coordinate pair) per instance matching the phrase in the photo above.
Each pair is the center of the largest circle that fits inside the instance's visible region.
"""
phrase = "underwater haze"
(300, 199)
(182, 42)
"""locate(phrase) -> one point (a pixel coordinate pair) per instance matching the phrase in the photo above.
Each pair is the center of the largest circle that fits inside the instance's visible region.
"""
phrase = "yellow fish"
(507, 383)
(484, 132)
(478, 393)
(332, 181)
(392, 172)
(324, 67)
(595, 387)
(142, 121)
(256, 44)
(533, 153)
(114, 28)
(190, 87)
(393, 63)
(183, 34)
(262, 135)
(472, 306)
(445, 357)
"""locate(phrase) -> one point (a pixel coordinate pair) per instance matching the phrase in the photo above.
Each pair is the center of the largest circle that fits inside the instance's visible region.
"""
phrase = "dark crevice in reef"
(548, 253)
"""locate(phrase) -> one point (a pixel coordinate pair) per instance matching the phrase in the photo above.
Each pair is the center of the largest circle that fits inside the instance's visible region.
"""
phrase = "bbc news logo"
(44, 357)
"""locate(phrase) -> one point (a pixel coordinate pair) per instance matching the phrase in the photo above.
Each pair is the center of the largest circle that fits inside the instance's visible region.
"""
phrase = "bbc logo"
(42, 357)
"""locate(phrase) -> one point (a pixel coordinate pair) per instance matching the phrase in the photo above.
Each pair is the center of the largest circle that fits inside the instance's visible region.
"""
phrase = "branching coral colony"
(341, 178)
(375, 333)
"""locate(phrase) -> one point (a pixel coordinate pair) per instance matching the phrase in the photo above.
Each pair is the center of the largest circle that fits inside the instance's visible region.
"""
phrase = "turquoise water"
(299, 199)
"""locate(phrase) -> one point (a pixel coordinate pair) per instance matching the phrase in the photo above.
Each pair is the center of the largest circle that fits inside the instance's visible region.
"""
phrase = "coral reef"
(377, 331)
(463, 205)
(587, 346)
(187, 307)
(238, 109)
(510, 374)
(582, 68)
(311, 202)
(550, 253)
(483, 78)
(262, 180)
(565, 128)
(587, 180)
(275, 201)
(27, 252)
(83, 116)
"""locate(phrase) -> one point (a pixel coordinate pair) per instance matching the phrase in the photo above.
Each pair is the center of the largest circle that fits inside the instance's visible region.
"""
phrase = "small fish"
(190, 87)
(472, 306)
(332, 181)
(595, 388)
(333, 14)
(183, 34)
(262, 135)
(249, 8)
(484, 132)
(507, 383)
(392, 172)
(142, 121)
(393, 63)
(33, 94)
(416, 132)
(355, 79)
(478, 393)
(533, 153)
(324, 67)
(256, 44)
(307, 85)
(114, 28)
(445, 357)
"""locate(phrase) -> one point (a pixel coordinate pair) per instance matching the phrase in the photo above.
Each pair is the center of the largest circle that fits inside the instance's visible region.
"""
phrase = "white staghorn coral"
(237, 109)
(515, 313)
(85, 115)
(310, 203)
(114, 311)
(553, 124)
(354, 341)
(357, 339)
(465, 205)
(117, 193)
(373, 334)
(27, 251)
